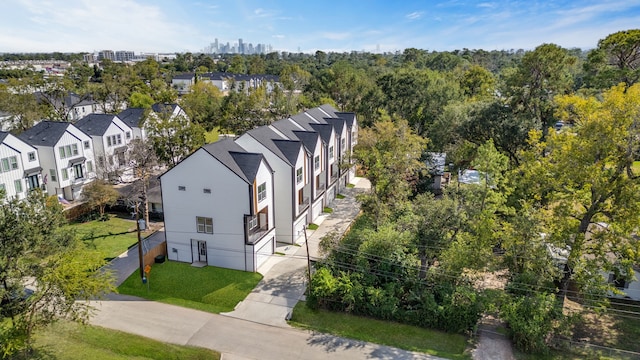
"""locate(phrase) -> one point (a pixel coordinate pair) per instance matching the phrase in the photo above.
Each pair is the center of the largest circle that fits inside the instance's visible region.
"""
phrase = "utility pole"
(306, 243)
(140, 257)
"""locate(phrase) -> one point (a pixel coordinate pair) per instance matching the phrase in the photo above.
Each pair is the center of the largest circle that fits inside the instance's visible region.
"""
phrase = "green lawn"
(111, 238)
(450, 346)
(209, 288)
(71, 341)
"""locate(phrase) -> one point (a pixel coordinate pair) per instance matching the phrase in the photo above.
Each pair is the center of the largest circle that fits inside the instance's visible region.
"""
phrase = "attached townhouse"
(292, 192)
(219, 207)
(316, 158)
(66, 156)
(134, 118)
(20, 169)
(110, 137)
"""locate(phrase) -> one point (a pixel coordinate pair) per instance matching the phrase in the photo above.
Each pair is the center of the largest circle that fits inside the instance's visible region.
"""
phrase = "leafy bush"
(531, 318)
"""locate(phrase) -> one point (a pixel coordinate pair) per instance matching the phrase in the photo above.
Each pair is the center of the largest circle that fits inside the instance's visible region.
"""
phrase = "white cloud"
(414, 15)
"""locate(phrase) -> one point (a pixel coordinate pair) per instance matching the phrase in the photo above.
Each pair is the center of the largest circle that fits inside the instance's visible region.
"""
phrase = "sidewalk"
(128, 262)
(285, 276)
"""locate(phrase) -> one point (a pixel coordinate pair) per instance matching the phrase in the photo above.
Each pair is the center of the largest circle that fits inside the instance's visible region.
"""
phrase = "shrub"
(531, 320)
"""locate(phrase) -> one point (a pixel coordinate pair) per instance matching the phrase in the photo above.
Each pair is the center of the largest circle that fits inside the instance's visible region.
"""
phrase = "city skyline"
(294, 26)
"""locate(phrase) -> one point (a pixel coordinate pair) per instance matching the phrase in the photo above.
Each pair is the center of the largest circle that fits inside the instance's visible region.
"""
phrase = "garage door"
(264, 252)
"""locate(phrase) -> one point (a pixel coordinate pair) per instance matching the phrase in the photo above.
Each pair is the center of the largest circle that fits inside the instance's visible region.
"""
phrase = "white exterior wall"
(264, 176)
(71, 188)
(9, 149)
(226, 205)
(108, 151)
(284, 197)
(632, 291)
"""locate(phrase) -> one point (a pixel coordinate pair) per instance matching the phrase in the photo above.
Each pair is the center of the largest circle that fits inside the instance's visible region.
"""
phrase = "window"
(9, 163)
(182, 188)
(206, 191)
(14, 162)
(128, 135)
(342, 144)
(77, 171)
(62, 153)
(119, 137)
(316, 162)
(52, 172)
(205, 225)
(68, 150)
(86, 144)
(109, 141)
(262, 191)
(253, 222)
(75, 149)
(114, 140)
(298, 175)
(89, 166)
(32, 156)
(331, 152)
(65, 174)
(18, 184)
(33, 182)
(4, 190)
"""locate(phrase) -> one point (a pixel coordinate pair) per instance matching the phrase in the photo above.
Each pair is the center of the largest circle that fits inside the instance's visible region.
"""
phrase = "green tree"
(584, 183)
(541, 75)
(143, 159)
(202, 104)
(389, 154)
(36, 250)
(20, 103)
(173, 136)
(140, 100)
(237, 65)
(616, 60)
(478, 83)
(99, 194)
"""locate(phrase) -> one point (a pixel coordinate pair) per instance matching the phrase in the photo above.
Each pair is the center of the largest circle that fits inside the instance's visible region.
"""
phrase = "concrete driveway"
(285, 276)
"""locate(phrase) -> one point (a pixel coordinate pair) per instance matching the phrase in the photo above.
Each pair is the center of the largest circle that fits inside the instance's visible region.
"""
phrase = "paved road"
(234, 338)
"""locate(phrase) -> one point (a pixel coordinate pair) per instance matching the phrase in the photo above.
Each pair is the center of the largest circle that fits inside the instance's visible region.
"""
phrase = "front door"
(202, 251)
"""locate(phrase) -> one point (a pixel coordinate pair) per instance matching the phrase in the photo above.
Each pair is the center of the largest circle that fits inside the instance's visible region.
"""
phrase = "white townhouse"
(316, 158)
(110, 137)
(173, 110)
(20, 169)
(134, 118)
(292, 190)
(346, 140)
(66, 156)
(183, 82)
(219, 207)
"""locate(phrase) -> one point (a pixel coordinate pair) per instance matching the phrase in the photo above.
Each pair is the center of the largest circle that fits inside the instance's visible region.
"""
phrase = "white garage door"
(264, 252)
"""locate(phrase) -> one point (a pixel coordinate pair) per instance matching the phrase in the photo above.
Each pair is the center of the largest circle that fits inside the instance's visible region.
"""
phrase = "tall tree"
(585, 183)
(99, 194)
(616, 60)
(173, 136)
(202, 104)
(541, 75)
(389, 154)
(36, 248)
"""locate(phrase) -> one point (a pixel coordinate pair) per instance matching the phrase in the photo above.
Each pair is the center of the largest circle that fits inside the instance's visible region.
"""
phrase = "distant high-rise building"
(107, 55)
(240, 46)
(124, 56)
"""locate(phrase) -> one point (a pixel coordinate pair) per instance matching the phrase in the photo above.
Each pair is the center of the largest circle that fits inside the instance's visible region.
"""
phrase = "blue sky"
(309, 25)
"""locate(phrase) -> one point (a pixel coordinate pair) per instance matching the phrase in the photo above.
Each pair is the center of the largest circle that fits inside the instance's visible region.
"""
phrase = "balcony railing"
(257, 233)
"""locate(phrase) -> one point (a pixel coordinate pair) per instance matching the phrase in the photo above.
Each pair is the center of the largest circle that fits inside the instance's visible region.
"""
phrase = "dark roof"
(329, 109)
(349, 117)
(271, 140)
(68, 100)
(242, 163)
(184, 76)
(289, 148)
(317, 114)
(308, 138)
(287, 127)
(3, 135)
(337, 123)
(324, 130)
(95, 124)
(132, 116)
(44, 133)
(158, 108)
(304, 121)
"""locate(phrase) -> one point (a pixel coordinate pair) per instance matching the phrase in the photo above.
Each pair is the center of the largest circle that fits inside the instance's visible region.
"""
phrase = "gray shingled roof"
(304, 121)
(338, 123)
(158, 108)
(286, 127)
(324, 130)
(242, 163)
(308, 138)
(317, 114)
(184, 76)
(132, 116)
(3, 135)
(44, 133)
(95, 124)
(270, 139)
(349, 117)
(329, 109)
